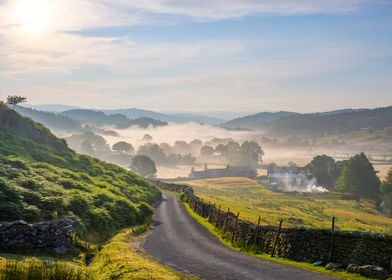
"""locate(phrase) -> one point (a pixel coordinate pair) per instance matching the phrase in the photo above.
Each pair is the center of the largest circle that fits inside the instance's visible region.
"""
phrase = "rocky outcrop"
(55, 236)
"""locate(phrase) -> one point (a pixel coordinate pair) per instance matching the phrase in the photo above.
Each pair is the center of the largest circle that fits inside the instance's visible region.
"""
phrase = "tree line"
(355, 176)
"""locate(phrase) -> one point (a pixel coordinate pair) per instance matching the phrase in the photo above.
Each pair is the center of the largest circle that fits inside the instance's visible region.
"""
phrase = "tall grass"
(34, 269)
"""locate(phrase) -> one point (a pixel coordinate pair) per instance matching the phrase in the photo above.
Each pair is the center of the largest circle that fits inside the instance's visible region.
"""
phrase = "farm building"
(229, 171)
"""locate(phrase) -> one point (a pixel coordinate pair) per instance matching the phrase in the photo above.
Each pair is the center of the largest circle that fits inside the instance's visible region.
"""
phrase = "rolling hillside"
(99, 118)
(257, 120)
(52, 121)
(316, 124)
(42, 179)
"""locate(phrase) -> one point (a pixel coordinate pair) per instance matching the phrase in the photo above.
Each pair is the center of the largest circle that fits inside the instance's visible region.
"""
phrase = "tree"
(196, 146)
(230, 151)
(207, 151)
(324, 169)
(147, 138)
(153, 151)
(359, 178)
(123, 147)
(386, 191)
(251, 153)
(14, 100)
(144, 166)
(99, 143)
(182, 147)
(86, 147)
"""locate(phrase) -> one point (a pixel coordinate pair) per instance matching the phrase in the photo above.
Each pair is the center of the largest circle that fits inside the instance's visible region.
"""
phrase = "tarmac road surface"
(180, 241)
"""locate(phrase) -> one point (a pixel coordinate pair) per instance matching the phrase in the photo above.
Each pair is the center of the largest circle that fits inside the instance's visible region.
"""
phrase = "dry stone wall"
(52, 235)
(300, 244)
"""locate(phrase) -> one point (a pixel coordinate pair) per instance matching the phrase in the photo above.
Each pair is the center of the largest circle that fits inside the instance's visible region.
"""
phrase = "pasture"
(252, 200)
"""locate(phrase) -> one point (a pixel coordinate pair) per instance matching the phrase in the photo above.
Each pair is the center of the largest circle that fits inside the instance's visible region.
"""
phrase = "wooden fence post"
(330, 255)
(276, 239)
(217, 217)
(212, 207)
(225, 221)
(257, 230)
(235, 226)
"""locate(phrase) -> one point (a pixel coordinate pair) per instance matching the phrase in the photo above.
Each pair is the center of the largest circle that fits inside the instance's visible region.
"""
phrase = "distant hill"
(133, 114)
(42, 179)
(256, 120)
(170, 118)
(52, 121)
(55, 108)
(320, 124)
(316, 124)
(199, 118)
(138, 113)
(99, 118)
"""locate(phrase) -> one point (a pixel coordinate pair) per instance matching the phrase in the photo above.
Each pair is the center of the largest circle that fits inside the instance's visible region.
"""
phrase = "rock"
(318, 263)
(61, 250)
(373, 271)
(6, 225)
(331, 266)
(48, 263)
(353, 268)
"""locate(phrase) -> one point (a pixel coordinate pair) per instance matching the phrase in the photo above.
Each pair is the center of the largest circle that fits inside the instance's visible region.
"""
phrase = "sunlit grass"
(252, 200)
(121, 259)
(33, 268)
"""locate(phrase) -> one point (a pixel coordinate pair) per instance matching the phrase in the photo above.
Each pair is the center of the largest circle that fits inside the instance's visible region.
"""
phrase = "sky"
(198, 55)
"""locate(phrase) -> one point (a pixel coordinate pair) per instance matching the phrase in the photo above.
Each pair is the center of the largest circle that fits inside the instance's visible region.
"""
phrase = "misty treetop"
(144, 166)
(123, 147)
(157, 153)
(248, 153)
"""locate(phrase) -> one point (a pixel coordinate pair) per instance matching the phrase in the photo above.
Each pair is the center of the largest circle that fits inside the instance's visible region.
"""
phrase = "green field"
(252, 200)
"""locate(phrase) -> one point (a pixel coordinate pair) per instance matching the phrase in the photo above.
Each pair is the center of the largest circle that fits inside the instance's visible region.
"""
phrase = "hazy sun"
(34, 16)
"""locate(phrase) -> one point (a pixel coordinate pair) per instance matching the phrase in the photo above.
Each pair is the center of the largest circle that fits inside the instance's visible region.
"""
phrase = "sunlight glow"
(34, 16)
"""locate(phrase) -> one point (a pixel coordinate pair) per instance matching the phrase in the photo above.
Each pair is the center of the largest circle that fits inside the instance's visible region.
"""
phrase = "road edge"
(305, 266)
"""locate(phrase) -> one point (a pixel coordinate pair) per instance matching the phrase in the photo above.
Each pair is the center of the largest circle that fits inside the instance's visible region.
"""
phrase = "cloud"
(222, 9)
(140, 72)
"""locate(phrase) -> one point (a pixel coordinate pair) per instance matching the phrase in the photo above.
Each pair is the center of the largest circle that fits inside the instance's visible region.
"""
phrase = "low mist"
(177, 132)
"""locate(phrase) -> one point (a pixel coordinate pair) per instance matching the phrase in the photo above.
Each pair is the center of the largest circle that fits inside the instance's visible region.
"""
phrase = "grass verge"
(34, 268)
(226, 241)
(121, 258)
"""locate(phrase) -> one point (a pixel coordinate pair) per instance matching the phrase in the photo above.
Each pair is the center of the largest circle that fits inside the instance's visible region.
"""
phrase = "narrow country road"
(181, 242)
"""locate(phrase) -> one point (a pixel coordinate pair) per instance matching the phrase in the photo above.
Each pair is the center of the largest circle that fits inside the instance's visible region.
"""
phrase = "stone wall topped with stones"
(55, 235)
(300, 244)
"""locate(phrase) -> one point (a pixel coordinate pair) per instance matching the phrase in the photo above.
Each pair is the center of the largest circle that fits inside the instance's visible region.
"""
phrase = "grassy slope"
(251, 199)
(42, 179)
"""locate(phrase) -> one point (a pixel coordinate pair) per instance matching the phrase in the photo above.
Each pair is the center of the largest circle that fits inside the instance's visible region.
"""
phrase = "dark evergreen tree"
(359, 178)
(386, 191)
